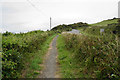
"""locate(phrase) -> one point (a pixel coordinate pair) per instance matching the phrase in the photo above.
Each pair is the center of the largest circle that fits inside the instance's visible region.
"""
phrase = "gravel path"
(74, 31)
(50, 64)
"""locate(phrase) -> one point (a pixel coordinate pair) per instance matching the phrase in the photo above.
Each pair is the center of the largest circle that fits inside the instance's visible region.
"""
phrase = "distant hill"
(110, 26)
(105, 22)
(69, 27)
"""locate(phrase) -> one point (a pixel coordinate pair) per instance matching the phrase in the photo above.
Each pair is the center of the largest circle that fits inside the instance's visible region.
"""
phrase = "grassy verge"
(68, 66)
(63, 57)
(34, 61)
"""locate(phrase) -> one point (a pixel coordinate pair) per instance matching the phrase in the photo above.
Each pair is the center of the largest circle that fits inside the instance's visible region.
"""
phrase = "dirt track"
(50, 62)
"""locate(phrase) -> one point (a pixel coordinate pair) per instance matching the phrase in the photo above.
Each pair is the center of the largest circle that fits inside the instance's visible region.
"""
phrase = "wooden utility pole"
(50, 22)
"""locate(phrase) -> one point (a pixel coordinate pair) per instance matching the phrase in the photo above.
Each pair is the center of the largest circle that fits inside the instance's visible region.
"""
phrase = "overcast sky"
(21, 16)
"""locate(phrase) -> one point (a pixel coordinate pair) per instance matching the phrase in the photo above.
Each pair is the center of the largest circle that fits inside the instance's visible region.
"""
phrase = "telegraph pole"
(119, 18)
(118, 38)
(119, 12)
(50, 22)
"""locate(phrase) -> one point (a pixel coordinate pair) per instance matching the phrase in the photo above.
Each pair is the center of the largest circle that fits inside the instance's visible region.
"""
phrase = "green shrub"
(98, 55)
(16, 46)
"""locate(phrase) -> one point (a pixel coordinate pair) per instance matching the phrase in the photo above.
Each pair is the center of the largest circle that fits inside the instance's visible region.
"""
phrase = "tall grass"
(96, 56)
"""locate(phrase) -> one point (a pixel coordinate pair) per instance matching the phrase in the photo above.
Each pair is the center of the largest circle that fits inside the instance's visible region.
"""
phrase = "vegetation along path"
(50, 62)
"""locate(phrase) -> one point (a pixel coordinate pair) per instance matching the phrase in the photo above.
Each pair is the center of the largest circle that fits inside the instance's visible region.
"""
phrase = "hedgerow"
(97, 57)
(15, 48)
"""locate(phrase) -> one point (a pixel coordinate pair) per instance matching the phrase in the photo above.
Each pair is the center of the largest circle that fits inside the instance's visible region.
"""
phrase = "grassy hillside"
(110, 27)
(105, 22)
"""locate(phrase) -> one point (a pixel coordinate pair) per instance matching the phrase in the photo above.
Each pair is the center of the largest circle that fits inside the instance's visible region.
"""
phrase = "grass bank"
(68, 67)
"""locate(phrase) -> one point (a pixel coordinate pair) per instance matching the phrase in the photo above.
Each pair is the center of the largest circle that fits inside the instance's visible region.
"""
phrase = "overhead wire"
(36, 8)
(39, 11)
